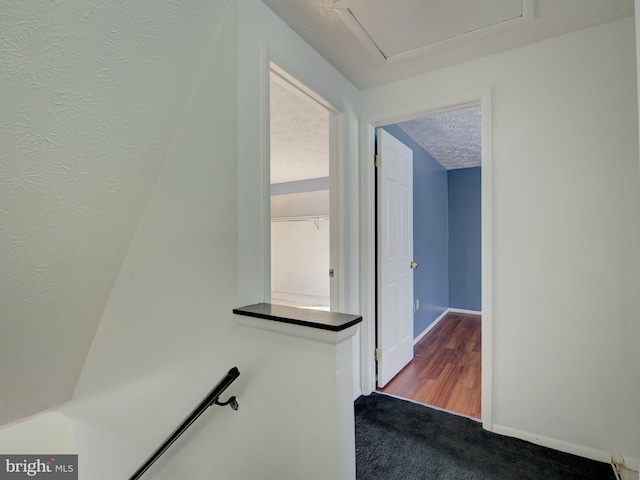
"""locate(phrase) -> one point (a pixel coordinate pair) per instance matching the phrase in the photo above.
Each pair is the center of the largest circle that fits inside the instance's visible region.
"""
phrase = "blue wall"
(465, 277)
(430, 234)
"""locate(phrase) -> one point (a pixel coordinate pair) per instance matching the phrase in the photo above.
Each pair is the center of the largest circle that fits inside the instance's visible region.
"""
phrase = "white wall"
(168, 334)
(300, 204)
(47, 432)
(300, 249)
(161, 342)
(566, 232)
(91, 94)
(636, 330)
(263, 38)
(300, 258)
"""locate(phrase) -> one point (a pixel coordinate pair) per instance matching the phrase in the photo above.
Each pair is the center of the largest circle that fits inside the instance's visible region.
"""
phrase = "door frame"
(336, 185)
(368, 125)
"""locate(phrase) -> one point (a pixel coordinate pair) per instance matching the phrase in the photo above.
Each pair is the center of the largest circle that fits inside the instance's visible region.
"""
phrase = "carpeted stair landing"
(401, 440)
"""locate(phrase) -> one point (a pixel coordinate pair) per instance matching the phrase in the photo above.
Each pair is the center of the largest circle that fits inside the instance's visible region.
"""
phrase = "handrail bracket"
(232, 402)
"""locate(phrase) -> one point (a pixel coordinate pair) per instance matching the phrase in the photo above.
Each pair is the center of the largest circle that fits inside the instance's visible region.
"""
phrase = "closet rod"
(301, 218)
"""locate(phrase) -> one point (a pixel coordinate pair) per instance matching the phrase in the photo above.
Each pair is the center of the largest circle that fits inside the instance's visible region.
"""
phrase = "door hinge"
(376, 161)
(331, 272)
(376, 354)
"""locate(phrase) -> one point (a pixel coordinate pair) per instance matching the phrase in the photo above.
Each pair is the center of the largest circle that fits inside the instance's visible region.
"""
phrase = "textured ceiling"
(452, 138)
(317, 22)
(91, 93)
(299, 136)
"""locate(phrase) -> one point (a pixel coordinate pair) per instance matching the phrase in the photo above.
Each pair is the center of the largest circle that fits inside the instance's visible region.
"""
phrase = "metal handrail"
(210, 399)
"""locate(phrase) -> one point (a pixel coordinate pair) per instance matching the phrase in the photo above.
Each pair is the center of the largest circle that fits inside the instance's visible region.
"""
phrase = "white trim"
(440, 317)
(287, 77)
(462, 310)
(592, 453)
(637, 23)
(367, 234)
(265, 94)
(622, 465)
(486, 180)
(430, 326)
(341, 7)
(300, 331)
(337, 217)
(355, 27)
(367, 257)
(345, 3)
(357, 393)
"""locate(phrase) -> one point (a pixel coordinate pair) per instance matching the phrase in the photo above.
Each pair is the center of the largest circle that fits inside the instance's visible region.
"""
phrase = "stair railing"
(210, 399)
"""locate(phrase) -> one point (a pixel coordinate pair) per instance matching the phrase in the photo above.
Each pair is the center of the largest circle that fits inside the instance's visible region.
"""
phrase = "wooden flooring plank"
(446, 369)
(446, 383)
(460, 399)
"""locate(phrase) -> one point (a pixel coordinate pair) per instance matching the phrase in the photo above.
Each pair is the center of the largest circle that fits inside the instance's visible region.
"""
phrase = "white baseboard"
(431, 325)
(633, 464)
(462, 310)
(591, 453)
(357, 393)
(442, 315)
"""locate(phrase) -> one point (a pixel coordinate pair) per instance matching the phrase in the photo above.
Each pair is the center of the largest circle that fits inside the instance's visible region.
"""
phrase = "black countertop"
(332, 321)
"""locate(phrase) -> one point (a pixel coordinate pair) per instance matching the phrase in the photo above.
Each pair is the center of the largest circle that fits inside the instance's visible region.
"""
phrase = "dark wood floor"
(446, 368)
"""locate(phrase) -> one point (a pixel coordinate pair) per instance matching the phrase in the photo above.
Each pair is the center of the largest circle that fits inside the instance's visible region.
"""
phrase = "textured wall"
(91, 93)
(169, 317)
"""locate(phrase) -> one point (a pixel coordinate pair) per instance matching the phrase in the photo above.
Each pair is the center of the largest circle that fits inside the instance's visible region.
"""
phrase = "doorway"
(445, 372)
(445, 367)
(368, 290)
(302, 247)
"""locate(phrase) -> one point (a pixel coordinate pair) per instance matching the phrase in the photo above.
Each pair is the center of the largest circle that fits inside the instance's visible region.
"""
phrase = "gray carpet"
(400, 440)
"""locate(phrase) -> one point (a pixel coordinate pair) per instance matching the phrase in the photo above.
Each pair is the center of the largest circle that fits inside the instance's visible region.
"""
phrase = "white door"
(394, 256)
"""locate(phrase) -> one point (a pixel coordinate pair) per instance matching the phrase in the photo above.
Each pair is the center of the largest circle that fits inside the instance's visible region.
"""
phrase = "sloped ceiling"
(394, 29)
(91, 93)
(322, 26)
